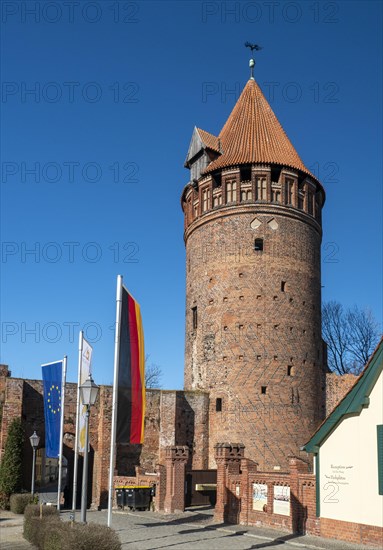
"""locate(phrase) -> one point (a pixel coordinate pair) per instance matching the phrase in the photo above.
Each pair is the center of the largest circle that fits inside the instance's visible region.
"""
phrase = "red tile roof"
(212, 142)
(253, 134)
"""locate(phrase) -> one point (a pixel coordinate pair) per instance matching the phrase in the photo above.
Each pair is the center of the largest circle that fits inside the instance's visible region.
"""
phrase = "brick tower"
(253, 285)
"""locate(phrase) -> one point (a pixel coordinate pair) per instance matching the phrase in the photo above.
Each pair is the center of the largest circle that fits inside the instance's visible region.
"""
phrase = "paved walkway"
(11, 532)
(194, 529)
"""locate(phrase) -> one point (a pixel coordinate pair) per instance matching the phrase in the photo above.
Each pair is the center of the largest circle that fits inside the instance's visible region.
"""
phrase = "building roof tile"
(253, 134)
(210, 141)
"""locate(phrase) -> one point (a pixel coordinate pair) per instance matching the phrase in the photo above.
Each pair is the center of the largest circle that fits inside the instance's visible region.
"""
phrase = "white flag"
(85, 372)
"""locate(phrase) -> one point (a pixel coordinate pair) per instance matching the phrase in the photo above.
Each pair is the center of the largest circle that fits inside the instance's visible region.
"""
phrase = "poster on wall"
(281, 500)
(260, 497)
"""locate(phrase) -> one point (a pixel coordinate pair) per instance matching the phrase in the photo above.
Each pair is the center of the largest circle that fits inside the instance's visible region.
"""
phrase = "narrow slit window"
(218, 404)
(258, 245)
(283, 286)
(263, 390)
(290, 370)
(195, 317)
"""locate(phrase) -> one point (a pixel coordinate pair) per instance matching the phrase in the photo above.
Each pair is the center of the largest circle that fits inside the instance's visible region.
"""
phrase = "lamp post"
(35, 440)
(88, 394)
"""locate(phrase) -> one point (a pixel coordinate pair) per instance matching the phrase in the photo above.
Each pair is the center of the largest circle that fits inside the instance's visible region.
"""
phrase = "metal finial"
(252, 61)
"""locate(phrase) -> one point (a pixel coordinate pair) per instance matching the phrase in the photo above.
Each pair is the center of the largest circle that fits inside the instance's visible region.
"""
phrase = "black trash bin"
(120, 497)
(138, 497)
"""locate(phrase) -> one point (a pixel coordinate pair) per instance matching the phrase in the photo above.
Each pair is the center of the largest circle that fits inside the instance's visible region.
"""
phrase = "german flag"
(131, 373)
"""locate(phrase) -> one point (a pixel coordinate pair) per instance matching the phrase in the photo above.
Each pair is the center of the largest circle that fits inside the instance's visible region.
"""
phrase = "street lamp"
(88, 395)
(35, 440)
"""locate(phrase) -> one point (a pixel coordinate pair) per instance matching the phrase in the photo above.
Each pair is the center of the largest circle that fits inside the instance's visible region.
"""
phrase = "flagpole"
(114, 399)
(75, 469)
(63, 380)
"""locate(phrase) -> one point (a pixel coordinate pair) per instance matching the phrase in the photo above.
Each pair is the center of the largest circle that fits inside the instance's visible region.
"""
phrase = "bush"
(11, 463)
(97, 536)
(34, 526)
(18, 502)
(33, 511)
(50, 533)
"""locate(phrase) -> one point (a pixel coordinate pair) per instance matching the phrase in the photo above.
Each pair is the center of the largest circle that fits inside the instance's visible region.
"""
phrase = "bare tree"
(153, 374)
(351, 336)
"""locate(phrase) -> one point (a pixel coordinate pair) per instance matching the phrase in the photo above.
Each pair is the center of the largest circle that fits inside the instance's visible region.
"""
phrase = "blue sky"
(100, 100)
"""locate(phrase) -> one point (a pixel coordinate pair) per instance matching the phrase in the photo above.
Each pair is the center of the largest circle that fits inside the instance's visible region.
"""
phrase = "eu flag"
(52, 379)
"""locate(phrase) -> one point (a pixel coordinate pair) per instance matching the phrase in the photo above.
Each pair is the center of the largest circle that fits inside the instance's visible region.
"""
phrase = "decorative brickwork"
(228, 458)
(176, 460)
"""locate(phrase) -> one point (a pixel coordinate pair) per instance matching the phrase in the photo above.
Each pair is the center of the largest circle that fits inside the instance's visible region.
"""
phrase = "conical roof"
(253, 134)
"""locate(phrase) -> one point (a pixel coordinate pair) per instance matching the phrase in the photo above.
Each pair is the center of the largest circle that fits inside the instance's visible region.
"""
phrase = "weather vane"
(252, 62)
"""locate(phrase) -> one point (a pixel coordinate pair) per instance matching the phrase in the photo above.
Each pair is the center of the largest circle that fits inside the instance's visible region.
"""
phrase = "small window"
(195, 317)
(290, 370)
(218, 404)
(283, 286)
(258, 245)
(263, 389)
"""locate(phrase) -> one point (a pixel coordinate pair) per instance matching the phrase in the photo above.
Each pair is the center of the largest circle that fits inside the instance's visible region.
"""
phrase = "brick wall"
(236, 477)
(253, 332)
(172, 418)
(336, 388)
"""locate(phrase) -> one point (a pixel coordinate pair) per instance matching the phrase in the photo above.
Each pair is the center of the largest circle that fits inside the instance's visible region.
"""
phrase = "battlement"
(252, 186)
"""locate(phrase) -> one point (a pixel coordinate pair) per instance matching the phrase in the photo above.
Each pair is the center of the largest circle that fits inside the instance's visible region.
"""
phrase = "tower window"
(290, 370)
(289, 191)
(258, 245)
(283, 286)
(218, 404)
(231, 191)
(195, 317)
(205, 199)
(261, 189)
(263, 390)
(275, 195)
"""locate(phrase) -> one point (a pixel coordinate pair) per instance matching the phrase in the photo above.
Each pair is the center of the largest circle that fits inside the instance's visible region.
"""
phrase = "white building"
(348, 450)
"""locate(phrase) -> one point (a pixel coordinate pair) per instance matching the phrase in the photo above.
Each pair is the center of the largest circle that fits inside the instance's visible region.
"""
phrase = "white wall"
(348, 477)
